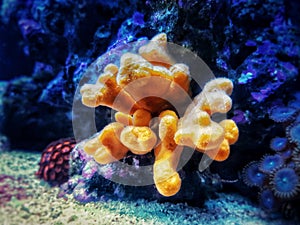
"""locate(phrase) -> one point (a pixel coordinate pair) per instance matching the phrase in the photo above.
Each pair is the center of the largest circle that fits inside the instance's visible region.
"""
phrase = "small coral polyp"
(252, 176)
(148, 91)
(268, 200)
(282, 114)
(285, 183)
(270, 163)
(278, 143)
(293, 132)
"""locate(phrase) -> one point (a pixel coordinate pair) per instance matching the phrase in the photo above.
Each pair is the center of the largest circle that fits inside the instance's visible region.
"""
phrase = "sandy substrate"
(43, 207)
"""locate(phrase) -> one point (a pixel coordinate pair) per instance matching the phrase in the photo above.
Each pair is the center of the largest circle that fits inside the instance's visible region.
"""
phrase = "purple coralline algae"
(90, 181)
(8, 189)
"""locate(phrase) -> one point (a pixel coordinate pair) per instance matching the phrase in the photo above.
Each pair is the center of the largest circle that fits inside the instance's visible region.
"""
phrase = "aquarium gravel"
(43, 207)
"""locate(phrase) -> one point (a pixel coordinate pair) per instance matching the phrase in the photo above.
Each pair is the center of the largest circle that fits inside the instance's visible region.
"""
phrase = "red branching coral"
(54, 163)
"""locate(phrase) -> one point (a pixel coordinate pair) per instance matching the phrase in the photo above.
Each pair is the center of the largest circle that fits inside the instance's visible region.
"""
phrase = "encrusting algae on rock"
(144, 91)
